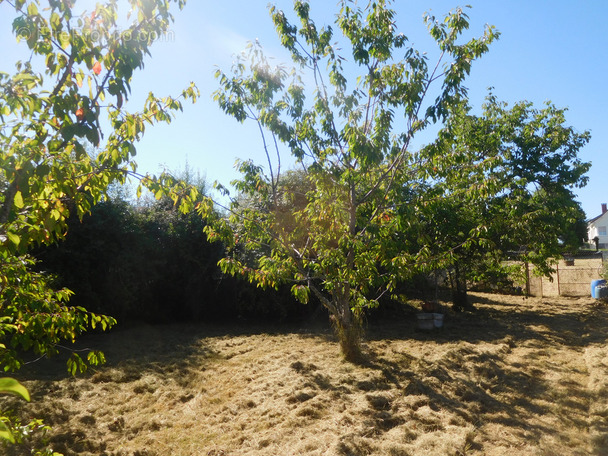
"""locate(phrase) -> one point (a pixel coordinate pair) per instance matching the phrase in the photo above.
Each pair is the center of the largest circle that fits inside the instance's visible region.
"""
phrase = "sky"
(548, 50)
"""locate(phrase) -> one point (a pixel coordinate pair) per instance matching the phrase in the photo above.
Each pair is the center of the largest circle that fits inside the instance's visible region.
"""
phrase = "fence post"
(527, 278)
(559, 291)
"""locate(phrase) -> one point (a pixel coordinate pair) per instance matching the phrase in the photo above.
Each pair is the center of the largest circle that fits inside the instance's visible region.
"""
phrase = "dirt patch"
(515, 377)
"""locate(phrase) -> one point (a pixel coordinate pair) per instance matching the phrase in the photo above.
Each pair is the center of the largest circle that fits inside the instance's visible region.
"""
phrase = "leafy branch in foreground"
(48, 121)
(11, 386)
(52, 107)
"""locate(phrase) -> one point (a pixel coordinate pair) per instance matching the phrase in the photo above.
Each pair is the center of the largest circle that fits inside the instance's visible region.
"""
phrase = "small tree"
(354, 143)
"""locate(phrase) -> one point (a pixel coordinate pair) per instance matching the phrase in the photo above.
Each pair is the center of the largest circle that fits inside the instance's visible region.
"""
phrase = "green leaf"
(32, 9)
(11, 386)
(18, 200)
(5, 433)
(55, 20)
(13, 238)
(300, 292)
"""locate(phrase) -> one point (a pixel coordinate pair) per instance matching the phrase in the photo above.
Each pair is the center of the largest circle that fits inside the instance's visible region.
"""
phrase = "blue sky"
(548, 50)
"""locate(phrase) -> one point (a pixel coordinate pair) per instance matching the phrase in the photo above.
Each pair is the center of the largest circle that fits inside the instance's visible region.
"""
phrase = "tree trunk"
(460, 299)
(346, 323)
(349, 331)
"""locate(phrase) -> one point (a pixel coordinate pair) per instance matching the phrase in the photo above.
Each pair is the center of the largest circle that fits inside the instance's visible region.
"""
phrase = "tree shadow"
(468, 382)
(145, 346)
(494, 320)
(488, 383)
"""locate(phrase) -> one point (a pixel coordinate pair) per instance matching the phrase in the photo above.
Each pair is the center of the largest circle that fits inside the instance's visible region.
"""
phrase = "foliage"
(11, 386)
(12, 431)
(539, 171)
(46, 172)
(144, 262)
(35, 317)
(527, 159)
(345, 244)
(147, 262)
(51, 107)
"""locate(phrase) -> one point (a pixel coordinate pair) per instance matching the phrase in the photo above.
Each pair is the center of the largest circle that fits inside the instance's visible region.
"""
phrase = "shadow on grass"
(473, 384)
(478, 385)
(144, 347)
(472, 392)
(493, 320)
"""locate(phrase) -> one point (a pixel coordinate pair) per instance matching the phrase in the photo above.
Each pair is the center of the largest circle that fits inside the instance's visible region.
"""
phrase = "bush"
(149, 263)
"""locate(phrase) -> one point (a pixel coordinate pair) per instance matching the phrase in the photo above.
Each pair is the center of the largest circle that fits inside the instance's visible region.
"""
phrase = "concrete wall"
(568, 279)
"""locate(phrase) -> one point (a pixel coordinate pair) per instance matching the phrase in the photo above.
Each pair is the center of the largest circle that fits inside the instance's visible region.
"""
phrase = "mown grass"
(516, 377)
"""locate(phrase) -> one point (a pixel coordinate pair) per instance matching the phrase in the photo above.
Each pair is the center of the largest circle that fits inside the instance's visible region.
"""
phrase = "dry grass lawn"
(516, 377)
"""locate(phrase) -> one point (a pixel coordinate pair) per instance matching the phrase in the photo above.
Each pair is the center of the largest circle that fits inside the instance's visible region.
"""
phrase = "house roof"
(596, 218)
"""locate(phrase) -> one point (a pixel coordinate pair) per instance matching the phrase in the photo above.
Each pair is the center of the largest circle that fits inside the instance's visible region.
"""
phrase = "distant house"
(596, 228)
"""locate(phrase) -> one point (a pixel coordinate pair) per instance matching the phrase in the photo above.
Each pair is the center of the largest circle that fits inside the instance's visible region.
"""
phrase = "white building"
(597, 226)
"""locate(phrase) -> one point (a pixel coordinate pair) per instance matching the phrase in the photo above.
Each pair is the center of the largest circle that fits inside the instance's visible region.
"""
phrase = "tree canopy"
(52, 108)
(353, 140)
(526, 161)
(368, 210)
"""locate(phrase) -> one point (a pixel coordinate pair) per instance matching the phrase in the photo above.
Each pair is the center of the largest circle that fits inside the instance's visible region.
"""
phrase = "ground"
(515, 377)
